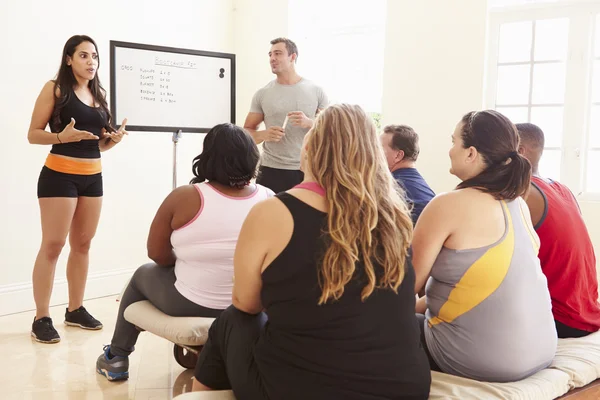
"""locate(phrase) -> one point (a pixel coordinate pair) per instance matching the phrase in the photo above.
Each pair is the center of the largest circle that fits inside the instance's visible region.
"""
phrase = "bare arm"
(298, 118)
(536, 204)
(42, 112)
(431, 232)
(160, 249)
(112, 138)
(421, 305)
(271, 134)
(106, 144)
(253, 121)
(250, 253)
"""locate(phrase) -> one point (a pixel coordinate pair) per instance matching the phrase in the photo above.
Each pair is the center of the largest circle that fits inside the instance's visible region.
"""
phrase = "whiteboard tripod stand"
(176, 137)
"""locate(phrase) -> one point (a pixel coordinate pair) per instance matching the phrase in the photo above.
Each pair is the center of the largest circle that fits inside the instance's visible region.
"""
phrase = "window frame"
(578, 79)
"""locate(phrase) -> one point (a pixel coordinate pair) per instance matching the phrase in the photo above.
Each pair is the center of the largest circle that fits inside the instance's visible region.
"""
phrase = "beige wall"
(255, 24)
(433, 74)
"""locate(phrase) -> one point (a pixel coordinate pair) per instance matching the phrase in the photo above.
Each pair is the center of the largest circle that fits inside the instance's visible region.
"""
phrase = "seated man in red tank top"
(566, 251)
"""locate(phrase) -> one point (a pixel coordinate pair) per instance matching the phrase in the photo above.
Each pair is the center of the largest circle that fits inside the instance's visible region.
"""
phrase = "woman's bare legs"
(83, 229)
(56, 216)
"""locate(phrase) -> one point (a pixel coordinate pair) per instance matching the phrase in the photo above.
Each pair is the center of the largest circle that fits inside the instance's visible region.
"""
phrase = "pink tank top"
(312, 186)
(204, 247)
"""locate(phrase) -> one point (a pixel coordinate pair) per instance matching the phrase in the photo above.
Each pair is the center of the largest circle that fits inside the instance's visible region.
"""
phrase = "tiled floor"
(31, 370)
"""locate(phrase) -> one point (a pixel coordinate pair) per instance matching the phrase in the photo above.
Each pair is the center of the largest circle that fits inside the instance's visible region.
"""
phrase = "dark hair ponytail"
(508, 174)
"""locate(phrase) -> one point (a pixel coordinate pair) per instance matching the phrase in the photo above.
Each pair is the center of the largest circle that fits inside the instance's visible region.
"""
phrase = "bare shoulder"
(185, 190)
(455, 203)
(182, 194)
(271, 216)
(534, 196)
(48, 90)
(269, 210)
(51, 89)
(446, 199)
(470, 196)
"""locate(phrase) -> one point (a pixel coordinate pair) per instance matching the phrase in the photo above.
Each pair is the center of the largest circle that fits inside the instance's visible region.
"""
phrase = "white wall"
(137, 172)
(255, 24)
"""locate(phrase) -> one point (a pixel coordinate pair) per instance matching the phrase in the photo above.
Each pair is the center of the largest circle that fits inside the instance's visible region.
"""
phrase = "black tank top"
(87, 118)
(347, 349)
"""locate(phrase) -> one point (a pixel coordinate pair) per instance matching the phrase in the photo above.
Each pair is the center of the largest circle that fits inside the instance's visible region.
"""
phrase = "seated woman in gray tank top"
(487, 311)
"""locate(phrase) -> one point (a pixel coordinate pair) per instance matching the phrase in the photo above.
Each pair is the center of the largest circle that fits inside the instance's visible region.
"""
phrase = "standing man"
(401, 147)
(566, 251)
(288, 106)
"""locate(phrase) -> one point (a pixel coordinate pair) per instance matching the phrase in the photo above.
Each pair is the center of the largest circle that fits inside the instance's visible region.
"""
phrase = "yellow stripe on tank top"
(481, 279)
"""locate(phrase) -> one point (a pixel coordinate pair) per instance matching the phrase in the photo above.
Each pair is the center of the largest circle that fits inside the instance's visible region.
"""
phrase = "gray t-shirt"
(275, 101)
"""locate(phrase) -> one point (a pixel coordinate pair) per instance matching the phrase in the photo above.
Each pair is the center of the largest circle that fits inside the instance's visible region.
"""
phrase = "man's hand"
(298, 118)
(273, 134)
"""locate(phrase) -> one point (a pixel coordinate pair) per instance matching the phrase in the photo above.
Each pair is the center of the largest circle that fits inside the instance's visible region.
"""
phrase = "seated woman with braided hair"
(192, 240)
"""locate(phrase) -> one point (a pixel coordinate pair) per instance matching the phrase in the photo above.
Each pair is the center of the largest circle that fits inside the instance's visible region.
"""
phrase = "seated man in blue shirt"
(401, 147)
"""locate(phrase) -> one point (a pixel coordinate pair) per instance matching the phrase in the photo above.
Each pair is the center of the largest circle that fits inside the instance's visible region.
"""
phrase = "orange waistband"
(70, 166)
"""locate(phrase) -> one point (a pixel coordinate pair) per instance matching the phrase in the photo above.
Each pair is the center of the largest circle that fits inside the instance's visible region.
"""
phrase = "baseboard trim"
(18, 297)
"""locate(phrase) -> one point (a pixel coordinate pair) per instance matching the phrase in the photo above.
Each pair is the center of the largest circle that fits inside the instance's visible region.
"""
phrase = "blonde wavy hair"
(368, 220)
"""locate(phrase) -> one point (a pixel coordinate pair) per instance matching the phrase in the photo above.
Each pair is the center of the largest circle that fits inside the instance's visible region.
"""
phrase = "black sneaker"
(82, 319)
(114, 368)
(43, 331)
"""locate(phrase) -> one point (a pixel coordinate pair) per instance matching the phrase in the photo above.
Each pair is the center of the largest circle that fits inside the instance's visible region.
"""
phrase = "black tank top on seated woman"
(346, 349)
(87, 118)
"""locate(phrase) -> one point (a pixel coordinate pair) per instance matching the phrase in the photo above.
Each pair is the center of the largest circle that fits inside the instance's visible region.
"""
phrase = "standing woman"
(70, 183)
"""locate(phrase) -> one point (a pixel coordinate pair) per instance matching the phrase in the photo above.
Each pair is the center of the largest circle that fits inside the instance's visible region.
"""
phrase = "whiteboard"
(165, 89)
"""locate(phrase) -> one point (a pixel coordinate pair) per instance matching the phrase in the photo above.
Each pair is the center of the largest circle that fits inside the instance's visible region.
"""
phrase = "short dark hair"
(404, 138)
(289, 45)
(507, 174)
(229, 156)
(532, 134)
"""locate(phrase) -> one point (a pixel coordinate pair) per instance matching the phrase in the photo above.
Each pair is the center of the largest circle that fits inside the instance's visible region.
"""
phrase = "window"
(541, 66)
(342, 48)
(531, 80)
(592, 181)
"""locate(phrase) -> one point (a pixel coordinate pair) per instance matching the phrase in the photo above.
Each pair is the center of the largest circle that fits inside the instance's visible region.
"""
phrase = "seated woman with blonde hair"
(327, 262)
(487, 308)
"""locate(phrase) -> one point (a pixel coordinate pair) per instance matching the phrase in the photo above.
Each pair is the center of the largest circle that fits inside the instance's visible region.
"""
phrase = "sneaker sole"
(53, 341)
(113, 376)
(97, 328)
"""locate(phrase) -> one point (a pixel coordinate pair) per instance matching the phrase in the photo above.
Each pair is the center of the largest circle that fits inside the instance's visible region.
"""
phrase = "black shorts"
(57, 184)
(279, 180)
